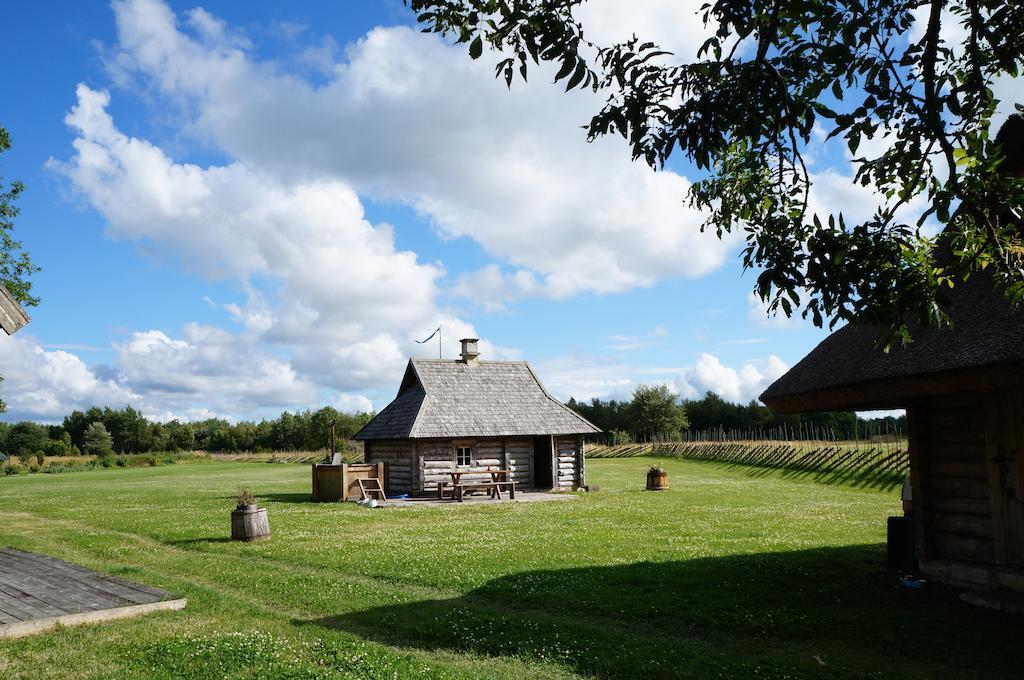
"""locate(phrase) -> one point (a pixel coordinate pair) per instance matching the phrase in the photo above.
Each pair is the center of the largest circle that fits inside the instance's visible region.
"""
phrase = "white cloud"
(210, 364)
(164, 377)
(733, 384)
(673, 25)
(353, 403)
(585, 378)
(757, 311)
(954, 34)
(48, 384)
(410, 118)
(349, 302)
(330, 300)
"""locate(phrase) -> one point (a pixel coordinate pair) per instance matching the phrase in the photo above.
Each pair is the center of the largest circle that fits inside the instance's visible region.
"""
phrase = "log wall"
(569, 452)
(967, 469)
(417, 466)
(399, 455)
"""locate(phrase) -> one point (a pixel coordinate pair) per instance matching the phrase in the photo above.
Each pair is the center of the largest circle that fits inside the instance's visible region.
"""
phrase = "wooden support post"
(554, 463)
(533, 462)
(581, 464)
(920, 481)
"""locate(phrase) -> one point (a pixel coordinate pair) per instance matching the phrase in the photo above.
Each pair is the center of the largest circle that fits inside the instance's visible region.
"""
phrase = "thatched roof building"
(963, 390)
(983, 349)
(470, 416)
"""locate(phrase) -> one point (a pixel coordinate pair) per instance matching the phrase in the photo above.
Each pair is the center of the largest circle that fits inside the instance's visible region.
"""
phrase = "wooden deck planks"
(38, 592)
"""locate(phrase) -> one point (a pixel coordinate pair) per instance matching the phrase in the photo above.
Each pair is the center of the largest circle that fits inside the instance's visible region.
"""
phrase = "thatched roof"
(444, 399)
(983, 349)
(12, 316)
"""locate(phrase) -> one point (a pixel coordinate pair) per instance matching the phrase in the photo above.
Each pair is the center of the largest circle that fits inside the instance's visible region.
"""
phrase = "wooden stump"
(249, 523)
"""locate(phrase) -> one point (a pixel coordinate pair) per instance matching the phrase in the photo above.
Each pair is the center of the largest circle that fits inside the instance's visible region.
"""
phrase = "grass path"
(723, 576)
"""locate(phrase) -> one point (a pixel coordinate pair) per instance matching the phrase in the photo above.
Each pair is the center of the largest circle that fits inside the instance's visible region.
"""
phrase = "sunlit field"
(725, 575)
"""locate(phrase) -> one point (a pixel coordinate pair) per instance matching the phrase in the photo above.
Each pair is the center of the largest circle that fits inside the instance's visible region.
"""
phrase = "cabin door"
(1004, 438)
(543, 463)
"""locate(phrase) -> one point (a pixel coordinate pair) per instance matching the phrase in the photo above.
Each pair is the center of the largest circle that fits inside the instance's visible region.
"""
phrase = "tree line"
(105, 431)
(655, 414)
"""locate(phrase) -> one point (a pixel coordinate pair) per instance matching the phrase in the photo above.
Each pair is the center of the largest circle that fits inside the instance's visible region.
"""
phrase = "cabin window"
(464, 456)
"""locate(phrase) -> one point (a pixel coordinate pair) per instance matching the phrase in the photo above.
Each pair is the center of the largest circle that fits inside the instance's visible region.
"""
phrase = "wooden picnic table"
(499, 478)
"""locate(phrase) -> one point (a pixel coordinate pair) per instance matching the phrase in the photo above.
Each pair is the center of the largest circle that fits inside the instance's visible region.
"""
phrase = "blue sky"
(257, 206)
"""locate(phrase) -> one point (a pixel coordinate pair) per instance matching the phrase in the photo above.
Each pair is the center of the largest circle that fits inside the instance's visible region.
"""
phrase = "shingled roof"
(984, 348)
(444, 399)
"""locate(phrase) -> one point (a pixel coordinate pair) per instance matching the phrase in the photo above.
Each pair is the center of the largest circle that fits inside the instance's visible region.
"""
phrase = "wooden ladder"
(370, 486)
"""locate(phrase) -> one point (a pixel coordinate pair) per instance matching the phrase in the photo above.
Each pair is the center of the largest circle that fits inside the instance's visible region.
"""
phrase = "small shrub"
(245, 497)
(40, 457)
(620, 437)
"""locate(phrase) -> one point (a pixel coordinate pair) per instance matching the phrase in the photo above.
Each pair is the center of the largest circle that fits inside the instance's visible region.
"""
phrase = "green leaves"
(15, 265)
(746, 118)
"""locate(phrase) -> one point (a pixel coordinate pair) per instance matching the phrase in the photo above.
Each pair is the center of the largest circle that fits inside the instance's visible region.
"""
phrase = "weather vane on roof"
(429, 337)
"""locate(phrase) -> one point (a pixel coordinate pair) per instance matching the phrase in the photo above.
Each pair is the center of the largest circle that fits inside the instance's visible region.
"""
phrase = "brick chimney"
(469, 351)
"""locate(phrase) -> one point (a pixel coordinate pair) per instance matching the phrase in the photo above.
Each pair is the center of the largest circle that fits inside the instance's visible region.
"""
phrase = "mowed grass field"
(722, 576)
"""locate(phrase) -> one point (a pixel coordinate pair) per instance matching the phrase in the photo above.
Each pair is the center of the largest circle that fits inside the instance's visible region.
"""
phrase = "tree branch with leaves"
(743, 111)
(15, 265)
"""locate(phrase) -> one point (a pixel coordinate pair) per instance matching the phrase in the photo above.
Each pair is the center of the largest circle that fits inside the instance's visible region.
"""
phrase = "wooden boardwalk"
(38, 592)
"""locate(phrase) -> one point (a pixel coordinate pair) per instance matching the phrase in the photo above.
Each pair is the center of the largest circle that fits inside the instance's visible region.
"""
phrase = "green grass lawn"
(726, 575)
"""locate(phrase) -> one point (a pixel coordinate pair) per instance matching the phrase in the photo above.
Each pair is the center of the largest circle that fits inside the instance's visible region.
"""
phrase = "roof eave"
(898, 392)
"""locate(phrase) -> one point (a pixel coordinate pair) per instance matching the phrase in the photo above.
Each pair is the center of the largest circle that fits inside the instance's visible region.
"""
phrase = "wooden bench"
(493, 488)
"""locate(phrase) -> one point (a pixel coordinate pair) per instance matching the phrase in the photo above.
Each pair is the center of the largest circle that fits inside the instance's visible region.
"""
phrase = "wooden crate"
(341, 482)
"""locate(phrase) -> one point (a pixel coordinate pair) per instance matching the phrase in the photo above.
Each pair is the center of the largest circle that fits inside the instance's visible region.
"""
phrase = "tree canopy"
(655, 411)
(15, 265)
(914, 75)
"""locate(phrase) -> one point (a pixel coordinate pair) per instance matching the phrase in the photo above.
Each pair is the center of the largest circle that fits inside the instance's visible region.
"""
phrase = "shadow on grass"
(823, 612)
(305, 497)
(198, 541)
(882, 474)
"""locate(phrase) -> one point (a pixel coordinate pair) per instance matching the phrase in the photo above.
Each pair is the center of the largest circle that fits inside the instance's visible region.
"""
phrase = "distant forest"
(653, 414)
(623, 422)
(130, 432)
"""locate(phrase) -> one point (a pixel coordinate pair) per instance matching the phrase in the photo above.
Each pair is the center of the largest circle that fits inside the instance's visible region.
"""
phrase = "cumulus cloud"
(408, 118)
(164, 377)
(348, 303)
(48, 384)
(733, 384)
(586, 377)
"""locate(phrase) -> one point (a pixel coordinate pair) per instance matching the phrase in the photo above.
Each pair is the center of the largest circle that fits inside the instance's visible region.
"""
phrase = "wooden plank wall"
(950, 476)
(1004, 446)
(399, 454)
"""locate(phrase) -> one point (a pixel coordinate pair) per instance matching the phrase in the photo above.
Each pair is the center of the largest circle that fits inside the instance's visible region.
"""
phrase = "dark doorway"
(542, 463)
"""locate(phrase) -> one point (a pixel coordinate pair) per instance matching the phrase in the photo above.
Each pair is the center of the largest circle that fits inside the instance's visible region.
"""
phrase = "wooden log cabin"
(470, 415)
(963, 391)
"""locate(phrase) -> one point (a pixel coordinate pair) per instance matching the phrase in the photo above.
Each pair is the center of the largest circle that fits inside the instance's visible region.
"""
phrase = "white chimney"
(469, 351)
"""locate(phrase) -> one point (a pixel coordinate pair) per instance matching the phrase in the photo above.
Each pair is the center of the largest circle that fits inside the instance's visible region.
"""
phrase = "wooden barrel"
(249, 523)
(657, 480)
